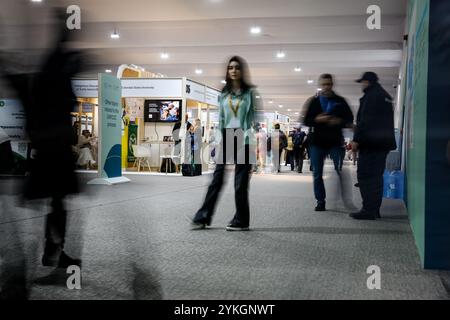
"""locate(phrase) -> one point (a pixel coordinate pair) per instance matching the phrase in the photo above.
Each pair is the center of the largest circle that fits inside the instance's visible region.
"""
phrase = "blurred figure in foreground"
(236, 115)
(374, 137)
(48, 100)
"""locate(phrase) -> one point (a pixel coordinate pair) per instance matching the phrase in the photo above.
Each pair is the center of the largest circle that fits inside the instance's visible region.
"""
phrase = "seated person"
(86, 147)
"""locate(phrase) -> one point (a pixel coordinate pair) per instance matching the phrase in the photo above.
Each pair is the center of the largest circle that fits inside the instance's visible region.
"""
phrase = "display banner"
(158, 87)
(85, 88)
(110, 131)
(13, 119)
(132, 140)
(195, 91)
(212, 96)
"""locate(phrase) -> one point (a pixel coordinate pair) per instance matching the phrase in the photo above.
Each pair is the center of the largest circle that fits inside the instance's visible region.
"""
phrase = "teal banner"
(110, 111)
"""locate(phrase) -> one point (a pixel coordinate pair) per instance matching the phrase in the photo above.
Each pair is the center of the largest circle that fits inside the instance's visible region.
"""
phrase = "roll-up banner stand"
(110, 131)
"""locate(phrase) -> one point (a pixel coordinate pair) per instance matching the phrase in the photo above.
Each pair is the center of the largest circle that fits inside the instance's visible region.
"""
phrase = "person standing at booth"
(237, 114)
(374, 137)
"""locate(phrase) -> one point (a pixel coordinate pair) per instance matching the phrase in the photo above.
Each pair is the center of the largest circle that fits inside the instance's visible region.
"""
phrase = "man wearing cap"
(374, 138)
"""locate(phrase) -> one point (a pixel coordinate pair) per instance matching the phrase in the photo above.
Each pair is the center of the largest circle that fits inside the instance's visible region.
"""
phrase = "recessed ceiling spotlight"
(108, 70)
(297, 113)
(223, 82)
(289, 110)
(281, 55)
(297, 69)
(36, 0)
(258, 97)
(115, 35)
(319, 89)
(270, 101)
(198, 71)
(164, 55)
(255, 30)
(310, 81)
(280, 105)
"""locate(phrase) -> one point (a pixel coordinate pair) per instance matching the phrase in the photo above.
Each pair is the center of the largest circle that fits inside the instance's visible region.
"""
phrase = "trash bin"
(393, 182)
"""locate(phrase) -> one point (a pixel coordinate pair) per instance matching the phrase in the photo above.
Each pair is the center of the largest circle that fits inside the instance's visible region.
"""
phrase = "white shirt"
(235, 123)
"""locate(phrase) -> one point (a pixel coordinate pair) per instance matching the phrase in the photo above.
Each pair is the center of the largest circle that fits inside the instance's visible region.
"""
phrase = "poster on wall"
(135, 108)
(12, 119)
(110, 131)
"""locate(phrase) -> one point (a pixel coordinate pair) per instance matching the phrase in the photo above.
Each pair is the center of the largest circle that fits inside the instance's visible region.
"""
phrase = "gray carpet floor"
(136, 243)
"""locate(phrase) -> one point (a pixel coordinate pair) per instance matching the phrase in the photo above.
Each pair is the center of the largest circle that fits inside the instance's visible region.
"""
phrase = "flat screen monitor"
(162, 110)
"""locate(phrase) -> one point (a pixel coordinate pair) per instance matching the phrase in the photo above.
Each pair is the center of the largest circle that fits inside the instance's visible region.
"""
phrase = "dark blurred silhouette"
(48, 99)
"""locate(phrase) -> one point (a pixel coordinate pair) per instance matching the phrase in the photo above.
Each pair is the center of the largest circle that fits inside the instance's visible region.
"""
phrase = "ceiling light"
(271, 101)
(281, 55)
(198, 71)
(36, 0)
(115, 35)
(164, 56)
(258, 97)
(223, 82)
(297, 69)
(319, 89)
(255, 30)
(108, 70)
(297, 113)
(310, 81)
(289, 110)
(281, 106)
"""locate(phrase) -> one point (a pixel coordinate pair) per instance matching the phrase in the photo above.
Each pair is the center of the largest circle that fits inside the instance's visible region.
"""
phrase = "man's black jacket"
(324, 135)
(375, 120)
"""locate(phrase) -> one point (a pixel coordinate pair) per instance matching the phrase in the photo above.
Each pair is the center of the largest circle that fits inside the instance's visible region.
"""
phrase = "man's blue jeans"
(318, 155)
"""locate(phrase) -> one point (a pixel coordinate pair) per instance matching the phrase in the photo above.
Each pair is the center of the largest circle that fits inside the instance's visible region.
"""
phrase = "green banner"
(132, 140)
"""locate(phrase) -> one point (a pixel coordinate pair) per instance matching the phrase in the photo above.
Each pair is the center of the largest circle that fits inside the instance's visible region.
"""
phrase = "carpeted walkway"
(136, 243)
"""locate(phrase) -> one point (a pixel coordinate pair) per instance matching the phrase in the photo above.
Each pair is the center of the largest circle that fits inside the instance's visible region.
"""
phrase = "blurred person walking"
(48, 100)
(290, 151)
(276, 143)
(326, 114)
(6, 154)
(374, 137)
(237, 114)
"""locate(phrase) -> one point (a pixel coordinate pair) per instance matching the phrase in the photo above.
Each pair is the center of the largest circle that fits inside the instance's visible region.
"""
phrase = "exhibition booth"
(151, 108)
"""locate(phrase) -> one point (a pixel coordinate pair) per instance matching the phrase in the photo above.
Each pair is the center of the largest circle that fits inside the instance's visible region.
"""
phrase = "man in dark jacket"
(299, 149)
(374, 138)
(327, 114)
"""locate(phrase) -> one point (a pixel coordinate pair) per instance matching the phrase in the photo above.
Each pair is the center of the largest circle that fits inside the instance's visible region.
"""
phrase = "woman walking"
(236, 122)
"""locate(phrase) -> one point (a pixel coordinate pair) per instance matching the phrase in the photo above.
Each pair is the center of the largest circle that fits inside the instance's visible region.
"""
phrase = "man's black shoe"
(363, 215)
(320, 207)
(64, 261)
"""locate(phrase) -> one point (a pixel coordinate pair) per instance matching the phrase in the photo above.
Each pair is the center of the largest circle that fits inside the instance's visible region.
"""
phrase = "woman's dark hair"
(245, 75)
